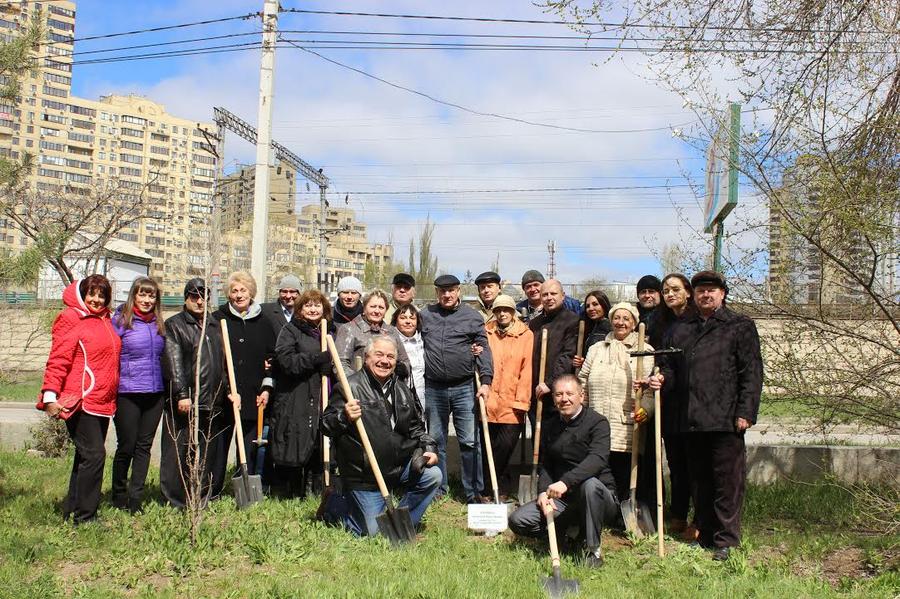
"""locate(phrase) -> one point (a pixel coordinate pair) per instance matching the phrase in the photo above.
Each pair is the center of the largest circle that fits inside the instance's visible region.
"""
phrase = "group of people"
(410, 370)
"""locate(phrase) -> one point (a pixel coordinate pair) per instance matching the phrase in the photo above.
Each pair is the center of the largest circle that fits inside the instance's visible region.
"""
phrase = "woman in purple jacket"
(140, 401)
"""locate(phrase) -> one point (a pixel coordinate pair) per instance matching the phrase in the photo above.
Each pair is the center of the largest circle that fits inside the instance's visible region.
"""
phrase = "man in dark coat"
(716, 386)
(395, 427)
(280, 313)
(575, 479)
(183, 336)
(562, 336)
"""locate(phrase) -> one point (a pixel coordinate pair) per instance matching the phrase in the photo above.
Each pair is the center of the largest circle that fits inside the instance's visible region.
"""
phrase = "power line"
(608, 25)
(473, 111)
(248, 16)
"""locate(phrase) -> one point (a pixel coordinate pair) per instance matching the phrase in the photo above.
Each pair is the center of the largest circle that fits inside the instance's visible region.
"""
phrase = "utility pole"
(259, 247)
(551, 260)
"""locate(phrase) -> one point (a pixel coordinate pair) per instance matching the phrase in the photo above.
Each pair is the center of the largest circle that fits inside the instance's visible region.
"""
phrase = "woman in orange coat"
(511, 344)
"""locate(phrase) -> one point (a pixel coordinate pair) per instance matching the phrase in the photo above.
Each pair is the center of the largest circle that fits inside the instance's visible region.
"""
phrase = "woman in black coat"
(596, 323)
(295, 440)
(252, 347)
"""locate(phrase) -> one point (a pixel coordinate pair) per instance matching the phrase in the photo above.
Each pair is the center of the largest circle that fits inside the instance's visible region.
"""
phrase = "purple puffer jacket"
(140, 368)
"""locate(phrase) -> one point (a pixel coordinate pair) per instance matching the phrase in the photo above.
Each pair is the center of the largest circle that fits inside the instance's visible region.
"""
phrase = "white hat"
(625, 306)
(289, 282)
(350, 284)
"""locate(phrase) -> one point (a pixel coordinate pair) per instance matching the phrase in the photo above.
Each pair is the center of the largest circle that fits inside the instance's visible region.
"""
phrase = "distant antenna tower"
(551, 260)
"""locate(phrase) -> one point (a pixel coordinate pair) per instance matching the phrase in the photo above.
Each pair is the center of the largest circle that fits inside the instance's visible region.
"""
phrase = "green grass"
(24, 388)
(277, 550)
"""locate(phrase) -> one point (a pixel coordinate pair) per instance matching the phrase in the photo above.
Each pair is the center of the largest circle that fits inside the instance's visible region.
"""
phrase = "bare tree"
(820, 87)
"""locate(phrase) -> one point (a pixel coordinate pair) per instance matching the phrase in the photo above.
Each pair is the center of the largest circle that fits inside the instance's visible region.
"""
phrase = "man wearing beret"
(403, 292)
(715, 387)
(488, 289)
(449, 328)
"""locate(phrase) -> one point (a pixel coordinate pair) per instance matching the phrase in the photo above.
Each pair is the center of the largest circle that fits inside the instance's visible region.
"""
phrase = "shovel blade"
(637, 518)
(396, 525)
(526, 489)
(557, 587)
(247, 490)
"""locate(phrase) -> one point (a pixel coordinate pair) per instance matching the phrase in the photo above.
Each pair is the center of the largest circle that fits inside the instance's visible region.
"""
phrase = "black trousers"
(717, 467)
(178, 454)
(503, 442)
(88, 434)
(679, 478)
(137, 418)
(249, 430)
(590, 505)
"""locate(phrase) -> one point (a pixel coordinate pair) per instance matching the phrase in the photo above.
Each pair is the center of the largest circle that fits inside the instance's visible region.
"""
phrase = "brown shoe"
(677, 526)
(690, 534)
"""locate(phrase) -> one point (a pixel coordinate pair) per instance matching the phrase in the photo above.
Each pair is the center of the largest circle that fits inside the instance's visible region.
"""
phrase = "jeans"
(137, 418)
(591, 500)
(459, 399)
(365, 506)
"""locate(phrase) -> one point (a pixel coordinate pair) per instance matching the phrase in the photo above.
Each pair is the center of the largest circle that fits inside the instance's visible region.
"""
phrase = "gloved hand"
(402, 370)
(322, 358)
(418, 462)
(641, 415)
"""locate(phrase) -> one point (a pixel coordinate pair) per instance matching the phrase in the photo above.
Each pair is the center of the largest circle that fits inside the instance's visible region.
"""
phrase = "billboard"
(721, 170)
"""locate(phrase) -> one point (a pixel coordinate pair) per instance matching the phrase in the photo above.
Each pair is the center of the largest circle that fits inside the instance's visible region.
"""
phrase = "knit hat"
(625, 306)
(649, 282)
(350, 284)
(531, 276)
(289, 282)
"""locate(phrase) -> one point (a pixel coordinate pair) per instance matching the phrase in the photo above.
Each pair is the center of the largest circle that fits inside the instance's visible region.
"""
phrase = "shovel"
(326, 444)
(262, 439)
(528, 484)
(491, 518)
(556, 585)
(247, 489)
(636, 515)
(657, 439)
(395, 523)
(579, 347)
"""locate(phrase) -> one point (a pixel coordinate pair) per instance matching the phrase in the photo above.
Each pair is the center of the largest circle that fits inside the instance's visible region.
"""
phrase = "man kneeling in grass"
(396, 428)
(574, 475)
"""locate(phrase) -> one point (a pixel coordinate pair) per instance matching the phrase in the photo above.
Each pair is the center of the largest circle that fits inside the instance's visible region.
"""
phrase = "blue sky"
(373, 139)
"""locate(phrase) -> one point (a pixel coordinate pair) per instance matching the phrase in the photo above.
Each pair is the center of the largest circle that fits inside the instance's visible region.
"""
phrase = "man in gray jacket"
(449, 329)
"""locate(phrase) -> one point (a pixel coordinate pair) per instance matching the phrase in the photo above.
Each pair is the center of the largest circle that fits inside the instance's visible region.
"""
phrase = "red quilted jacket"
(84, 357)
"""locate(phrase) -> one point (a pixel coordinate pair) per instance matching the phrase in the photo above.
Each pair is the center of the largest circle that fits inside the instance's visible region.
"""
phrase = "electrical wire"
(245, 17)
(609, 25)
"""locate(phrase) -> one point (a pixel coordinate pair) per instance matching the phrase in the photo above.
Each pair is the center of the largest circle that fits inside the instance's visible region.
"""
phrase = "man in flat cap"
(403, 292)
(280, 313)
(449, 329)
(532, 305)
(488, 289)
(715, 386)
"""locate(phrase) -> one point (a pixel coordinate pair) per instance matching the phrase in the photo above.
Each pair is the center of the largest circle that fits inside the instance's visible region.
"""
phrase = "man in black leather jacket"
(394, 424)
(179, 365)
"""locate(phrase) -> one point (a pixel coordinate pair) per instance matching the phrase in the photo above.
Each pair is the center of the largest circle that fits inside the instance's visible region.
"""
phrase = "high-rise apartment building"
(80, 144)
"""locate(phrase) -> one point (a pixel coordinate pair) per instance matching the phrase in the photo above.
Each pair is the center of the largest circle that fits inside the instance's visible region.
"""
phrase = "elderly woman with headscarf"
(608, 374)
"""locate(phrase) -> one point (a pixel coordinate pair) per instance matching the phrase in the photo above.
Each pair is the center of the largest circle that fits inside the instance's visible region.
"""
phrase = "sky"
(493, 186)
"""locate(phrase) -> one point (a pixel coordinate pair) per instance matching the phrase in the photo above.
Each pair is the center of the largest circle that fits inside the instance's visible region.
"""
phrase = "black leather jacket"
(179, 360)
(393, 445)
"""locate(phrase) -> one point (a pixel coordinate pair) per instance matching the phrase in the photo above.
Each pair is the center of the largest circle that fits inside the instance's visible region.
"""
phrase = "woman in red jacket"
(80, 383)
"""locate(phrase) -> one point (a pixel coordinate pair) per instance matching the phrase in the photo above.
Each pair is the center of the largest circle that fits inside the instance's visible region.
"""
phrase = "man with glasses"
(449, 329)
(280, 313)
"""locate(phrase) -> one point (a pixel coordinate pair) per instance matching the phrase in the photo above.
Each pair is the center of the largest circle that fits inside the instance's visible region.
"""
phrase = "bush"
(50, 437)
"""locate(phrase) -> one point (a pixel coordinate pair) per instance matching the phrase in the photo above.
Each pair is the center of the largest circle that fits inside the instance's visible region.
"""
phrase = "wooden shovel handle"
(232, 383)
(539, 408)
(487, 440)
(551, 536)
(260, 413)
(579, 352)
(636, 431)
(657, 430)
(360, 428)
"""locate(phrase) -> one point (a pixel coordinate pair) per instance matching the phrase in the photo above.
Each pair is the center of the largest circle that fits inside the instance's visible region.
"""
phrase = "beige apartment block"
(129, 141)
(237, 196)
